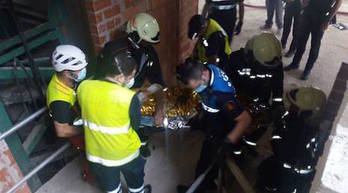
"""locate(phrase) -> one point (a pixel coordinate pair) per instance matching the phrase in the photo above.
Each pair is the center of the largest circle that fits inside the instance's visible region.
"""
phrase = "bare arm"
(243, 122)
(65, 130)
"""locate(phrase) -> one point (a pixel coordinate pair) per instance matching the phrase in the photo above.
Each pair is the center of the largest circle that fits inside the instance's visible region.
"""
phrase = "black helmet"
(115, 58)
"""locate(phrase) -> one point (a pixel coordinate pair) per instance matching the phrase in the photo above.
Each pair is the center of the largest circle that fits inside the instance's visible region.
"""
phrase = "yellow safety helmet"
(308, 100)
(266, 47)
(146, 27)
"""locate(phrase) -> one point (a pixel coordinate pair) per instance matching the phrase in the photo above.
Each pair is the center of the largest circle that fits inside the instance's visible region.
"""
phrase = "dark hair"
(190, 70)
(196, 25)
(116, 58)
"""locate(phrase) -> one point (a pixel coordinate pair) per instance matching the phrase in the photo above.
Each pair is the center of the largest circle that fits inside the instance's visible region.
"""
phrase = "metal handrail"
(19, 125)
(22, 123)
(39, 167)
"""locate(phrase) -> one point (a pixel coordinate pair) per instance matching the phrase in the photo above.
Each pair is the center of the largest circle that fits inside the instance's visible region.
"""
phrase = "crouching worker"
(111, 115)
(225, 120)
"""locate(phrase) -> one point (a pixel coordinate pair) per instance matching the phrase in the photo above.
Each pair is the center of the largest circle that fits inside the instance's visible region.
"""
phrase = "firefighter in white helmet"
(143, 31)
(140, 33)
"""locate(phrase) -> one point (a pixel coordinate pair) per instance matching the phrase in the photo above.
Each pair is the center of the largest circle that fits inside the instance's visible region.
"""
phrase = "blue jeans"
(277, 7)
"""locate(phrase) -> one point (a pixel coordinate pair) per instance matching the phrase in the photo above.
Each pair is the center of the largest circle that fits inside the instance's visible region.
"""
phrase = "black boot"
(181, 188)
(147, 188)
(290, 53)
(291, 67)
(305, 75)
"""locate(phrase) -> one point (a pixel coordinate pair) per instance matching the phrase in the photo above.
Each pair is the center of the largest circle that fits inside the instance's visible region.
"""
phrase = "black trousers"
(292, 16)
(109, 177)
(226, 18)
(207, 157)
(309, 26)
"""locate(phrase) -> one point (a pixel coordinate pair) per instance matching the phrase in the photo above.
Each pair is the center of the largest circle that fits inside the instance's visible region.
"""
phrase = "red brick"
(98, 5)
(3, 175)
(95, 18)
(117, 21)
(112, 11)
(9, 155)
(97, 49)
(23, 189)
(110, 24)
(102, 28)
(93, 29)
(156, 4)
(98, 40)
(128, 3)
(131, 12)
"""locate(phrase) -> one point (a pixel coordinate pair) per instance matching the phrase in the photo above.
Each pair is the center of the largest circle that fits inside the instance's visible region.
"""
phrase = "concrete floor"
(176, 153)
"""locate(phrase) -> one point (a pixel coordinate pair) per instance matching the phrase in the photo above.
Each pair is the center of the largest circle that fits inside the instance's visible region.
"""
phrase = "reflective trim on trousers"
(117, 190)
(136, 190)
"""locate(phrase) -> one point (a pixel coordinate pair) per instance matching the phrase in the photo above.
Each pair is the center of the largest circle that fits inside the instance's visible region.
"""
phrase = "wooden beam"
(238, 174)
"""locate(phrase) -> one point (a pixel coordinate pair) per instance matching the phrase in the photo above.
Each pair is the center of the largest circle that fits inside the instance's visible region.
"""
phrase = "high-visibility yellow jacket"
(110, 139)
(201, 47)
(58, 91)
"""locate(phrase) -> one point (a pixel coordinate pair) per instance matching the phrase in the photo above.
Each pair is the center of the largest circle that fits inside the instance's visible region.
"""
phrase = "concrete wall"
(9, 171)
(106, 16)
(331, 175)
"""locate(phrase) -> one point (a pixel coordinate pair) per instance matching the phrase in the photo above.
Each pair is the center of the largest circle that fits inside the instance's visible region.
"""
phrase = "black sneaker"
(289, 54)
(305, 75)
(181, 188)
(147, 188)
(291, 67)
(265, 27)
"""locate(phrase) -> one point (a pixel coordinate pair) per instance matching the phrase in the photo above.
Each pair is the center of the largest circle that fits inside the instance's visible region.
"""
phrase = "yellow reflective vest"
(58, 91)
(109, 137)
(201, 46)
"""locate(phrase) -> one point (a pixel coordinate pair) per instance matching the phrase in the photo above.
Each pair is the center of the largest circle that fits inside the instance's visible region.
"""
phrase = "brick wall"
(106, 16)
(9, 171)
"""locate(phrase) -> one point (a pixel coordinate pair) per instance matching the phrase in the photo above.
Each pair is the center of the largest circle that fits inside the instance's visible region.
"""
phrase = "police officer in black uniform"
(141, 32)
(257, 72)
(225, 13)
(315, 20)
(292, 15)
(224, 120)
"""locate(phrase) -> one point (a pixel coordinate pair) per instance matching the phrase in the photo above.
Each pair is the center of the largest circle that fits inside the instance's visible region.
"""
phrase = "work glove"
(238, 28)
(144, 148)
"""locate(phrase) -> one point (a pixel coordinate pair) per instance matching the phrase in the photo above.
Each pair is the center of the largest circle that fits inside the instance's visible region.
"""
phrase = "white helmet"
(68, 57)
(146, 26)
